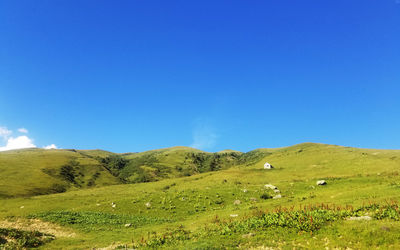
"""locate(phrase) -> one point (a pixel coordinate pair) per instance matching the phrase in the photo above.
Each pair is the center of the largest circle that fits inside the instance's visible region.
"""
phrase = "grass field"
(198, 200)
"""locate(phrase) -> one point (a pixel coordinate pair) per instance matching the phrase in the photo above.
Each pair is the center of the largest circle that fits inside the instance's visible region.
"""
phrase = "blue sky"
(131, 76)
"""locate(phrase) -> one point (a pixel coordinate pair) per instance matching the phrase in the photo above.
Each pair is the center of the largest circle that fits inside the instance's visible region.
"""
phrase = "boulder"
(268, 166)
(277, 196)
(270, 186)
(321, 183)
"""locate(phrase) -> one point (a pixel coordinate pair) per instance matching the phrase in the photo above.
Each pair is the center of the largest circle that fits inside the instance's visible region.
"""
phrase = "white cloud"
(5, 133)
(51, 146)
(23, 130)
(204, 135)
(18, 143)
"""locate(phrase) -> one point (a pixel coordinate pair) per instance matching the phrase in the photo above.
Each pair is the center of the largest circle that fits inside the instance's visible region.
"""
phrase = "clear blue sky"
(138, 75)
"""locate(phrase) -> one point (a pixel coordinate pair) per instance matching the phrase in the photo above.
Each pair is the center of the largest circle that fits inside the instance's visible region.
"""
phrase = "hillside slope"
(175, 162)
(226, 208)
(31, 172)
(37, 171)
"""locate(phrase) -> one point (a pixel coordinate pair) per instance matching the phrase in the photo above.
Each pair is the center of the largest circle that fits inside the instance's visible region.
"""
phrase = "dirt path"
(37, 225)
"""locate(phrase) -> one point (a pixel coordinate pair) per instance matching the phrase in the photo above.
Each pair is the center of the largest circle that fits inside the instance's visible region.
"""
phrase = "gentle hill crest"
(183, 193)
(35, 171)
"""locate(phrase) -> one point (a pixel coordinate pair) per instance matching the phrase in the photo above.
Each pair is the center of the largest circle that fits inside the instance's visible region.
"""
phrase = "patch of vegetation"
(114, 163)
(11, 238)
(96, 218)
(175, 162)
(92, 180)
(155, 240)
(205, 162)
(252, 157)
(67, 172)
(309, 218)
(58, 188)
(266, 196)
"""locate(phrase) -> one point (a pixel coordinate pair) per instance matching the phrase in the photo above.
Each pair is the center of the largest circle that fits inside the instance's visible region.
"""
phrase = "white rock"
(360, 218)
(148, 205)
(277, 196)
(270, 186)
(234, 215)
(128, 225)
(268, 166)
(321, 182)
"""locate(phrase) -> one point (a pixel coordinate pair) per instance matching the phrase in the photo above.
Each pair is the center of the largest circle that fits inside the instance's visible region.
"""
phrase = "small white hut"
(268, 166)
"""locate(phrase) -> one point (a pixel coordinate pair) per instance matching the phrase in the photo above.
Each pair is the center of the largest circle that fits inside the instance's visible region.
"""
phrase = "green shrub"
(265, 196)
(11, 238)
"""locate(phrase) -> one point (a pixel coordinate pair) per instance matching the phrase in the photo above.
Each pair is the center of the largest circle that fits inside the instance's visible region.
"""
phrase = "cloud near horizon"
(51, 146)
(18, 142)
(204, 135)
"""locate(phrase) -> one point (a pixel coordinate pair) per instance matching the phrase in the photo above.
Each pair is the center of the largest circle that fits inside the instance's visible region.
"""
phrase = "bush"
(11, 238)
(67, 172)
(266, 196)
(115, 162)
(58, 188)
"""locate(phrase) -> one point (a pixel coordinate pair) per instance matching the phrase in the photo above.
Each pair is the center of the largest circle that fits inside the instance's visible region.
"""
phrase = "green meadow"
(183, 198)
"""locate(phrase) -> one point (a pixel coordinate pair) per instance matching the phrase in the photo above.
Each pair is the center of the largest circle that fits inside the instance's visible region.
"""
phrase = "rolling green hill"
(228, 208)
(31, 172)
(175, 162)
(37, 171)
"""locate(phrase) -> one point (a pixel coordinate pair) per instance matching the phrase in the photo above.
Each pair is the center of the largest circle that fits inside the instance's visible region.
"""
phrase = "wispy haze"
(137, 75)
(204, 135)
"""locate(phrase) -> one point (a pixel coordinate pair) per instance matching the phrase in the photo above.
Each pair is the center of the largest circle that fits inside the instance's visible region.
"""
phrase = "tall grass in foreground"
(308, 219)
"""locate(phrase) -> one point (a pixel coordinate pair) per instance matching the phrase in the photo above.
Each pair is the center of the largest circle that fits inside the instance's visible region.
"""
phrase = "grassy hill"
(175, 162)
(32, 172)
(228, 208)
